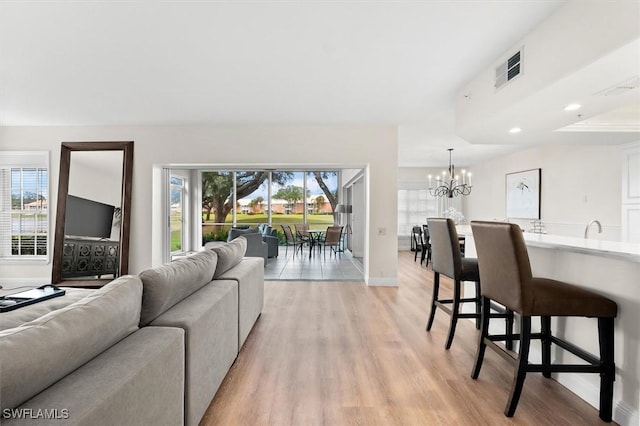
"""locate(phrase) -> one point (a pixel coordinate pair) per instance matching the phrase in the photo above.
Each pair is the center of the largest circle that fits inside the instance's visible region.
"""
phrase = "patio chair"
(332, 239)
(301, 232)
(291, 240)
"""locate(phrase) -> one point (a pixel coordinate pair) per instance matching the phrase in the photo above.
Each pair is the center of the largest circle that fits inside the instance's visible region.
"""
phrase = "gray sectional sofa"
(147, 349)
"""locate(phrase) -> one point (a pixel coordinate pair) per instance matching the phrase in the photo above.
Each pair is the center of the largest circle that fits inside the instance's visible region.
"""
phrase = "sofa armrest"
(272, 245)
(258, 250)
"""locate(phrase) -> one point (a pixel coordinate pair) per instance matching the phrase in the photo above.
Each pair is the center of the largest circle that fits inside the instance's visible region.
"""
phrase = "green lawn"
(176, 240)
(315, 220)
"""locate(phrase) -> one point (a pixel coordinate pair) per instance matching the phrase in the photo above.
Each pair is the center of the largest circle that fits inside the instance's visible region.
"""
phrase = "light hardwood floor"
(341, 353)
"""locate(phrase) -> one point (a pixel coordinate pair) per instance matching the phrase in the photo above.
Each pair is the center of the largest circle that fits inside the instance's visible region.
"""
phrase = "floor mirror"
(91, 239)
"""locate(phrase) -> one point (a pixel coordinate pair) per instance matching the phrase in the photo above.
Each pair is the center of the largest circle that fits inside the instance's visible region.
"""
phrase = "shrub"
(221, 235)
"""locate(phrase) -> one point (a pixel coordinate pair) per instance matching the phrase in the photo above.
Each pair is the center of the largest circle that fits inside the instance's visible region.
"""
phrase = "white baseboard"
(623, 413)
(381, 281)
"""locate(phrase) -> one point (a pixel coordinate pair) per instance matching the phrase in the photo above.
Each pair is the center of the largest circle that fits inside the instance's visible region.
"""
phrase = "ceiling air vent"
(509, 70)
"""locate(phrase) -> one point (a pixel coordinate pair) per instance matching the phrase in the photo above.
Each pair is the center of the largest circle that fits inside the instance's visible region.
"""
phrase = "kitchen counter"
(612, 249)
(602, 248)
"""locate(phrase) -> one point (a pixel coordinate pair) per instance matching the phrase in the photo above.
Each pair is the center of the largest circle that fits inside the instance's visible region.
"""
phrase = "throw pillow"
(168, 284)
(229, 255)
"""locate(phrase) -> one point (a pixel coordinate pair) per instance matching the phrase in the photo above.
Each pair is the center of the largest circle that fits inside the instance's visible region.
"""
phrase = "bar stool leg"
(608, 373)
(484, 332)
(509, 329)
(455, 311)
(521, 369)
(436, 288)
(546, 346)
(478, 305)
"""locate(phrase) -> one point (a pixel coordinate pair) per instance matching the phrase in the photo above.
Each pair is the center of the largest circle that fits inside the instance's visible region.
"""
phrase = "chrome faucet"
(586, 230)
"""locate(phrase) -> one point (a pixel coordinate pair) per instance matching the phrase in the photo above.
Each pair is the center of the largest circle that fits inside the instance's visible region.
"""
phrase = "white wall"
(371, 147)
(358, 217)
(578, 184)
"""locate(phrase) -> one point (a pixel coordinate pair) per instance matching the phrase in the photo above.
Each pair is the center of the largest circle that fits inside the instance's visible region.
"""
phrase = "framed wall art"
(523, 194)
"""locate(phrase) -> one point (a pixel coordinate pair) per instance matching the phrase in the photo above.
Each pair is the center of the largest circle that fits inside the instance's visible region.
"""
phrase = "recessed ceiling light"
(572, 107)
(515, 130)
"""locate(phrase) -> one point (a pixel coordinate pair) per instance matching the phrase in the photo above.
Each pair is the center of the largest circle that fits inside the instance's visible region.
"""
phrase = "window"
(177, 215)
(287, 195)
(251, 197)
(322, 191)
(413, 209)
(24, 205)
(277, 197)
(217, 204)
(416, 205)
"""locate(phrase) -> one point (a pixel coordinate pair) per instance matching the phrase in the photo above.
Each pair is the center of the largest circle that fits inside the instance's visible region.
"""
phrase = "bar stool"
(447, 260)
(506, 278)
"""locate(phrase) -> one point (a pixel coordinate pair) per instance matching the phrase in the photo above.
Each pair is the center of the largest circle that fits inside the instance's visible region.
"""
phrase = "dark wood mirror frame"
(63, 189)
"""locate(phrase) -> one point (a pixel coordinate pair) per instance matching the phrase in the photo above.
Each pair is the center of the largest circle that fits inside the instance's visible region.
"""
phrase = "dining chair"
(507, 278)
(418, 243)
(426, 249)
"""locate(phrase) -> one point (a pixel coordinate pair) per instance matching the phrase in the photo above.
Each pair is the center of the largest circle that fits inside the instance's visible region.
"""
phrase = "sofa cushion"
(168, 284)
(209, 318)
(249, 274)
(229, 255)
(25, 314)
(41, 352)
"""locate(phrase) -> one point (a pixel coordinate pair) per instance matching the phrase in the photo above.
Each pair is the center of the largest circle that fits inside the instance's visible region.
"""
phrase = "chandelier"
(449, 184)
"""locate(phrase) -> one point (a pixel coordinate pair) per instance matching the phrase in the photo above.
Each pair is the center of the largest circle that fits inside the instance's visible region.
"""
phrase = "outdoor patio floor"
(340, 267)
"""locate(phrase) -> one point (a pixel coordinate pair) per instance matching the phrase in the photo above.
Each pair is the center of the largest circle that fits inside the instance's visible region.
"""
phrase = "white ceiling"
(258, 62)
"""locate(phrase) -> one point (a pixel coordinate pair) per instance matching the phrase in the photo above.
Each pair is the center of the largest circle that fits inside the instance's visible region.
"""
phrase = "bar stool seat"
(506, 276)
(557, 298)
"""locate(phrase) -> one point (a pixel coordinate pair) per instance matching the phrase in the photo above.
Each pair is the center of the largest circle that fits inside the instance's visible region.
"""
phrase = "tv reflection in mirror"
(88, 249)
(88, 218)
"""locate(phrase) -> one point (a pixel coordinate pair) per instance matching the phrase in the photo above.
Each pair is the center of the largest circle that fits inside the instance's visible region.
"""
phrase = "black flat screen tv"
(87, 218)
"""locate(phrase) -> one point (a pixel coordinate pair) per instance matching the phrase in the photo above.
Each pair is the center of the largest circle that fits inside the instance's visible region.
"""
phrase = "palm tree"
(318, 202)
(259, 200)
